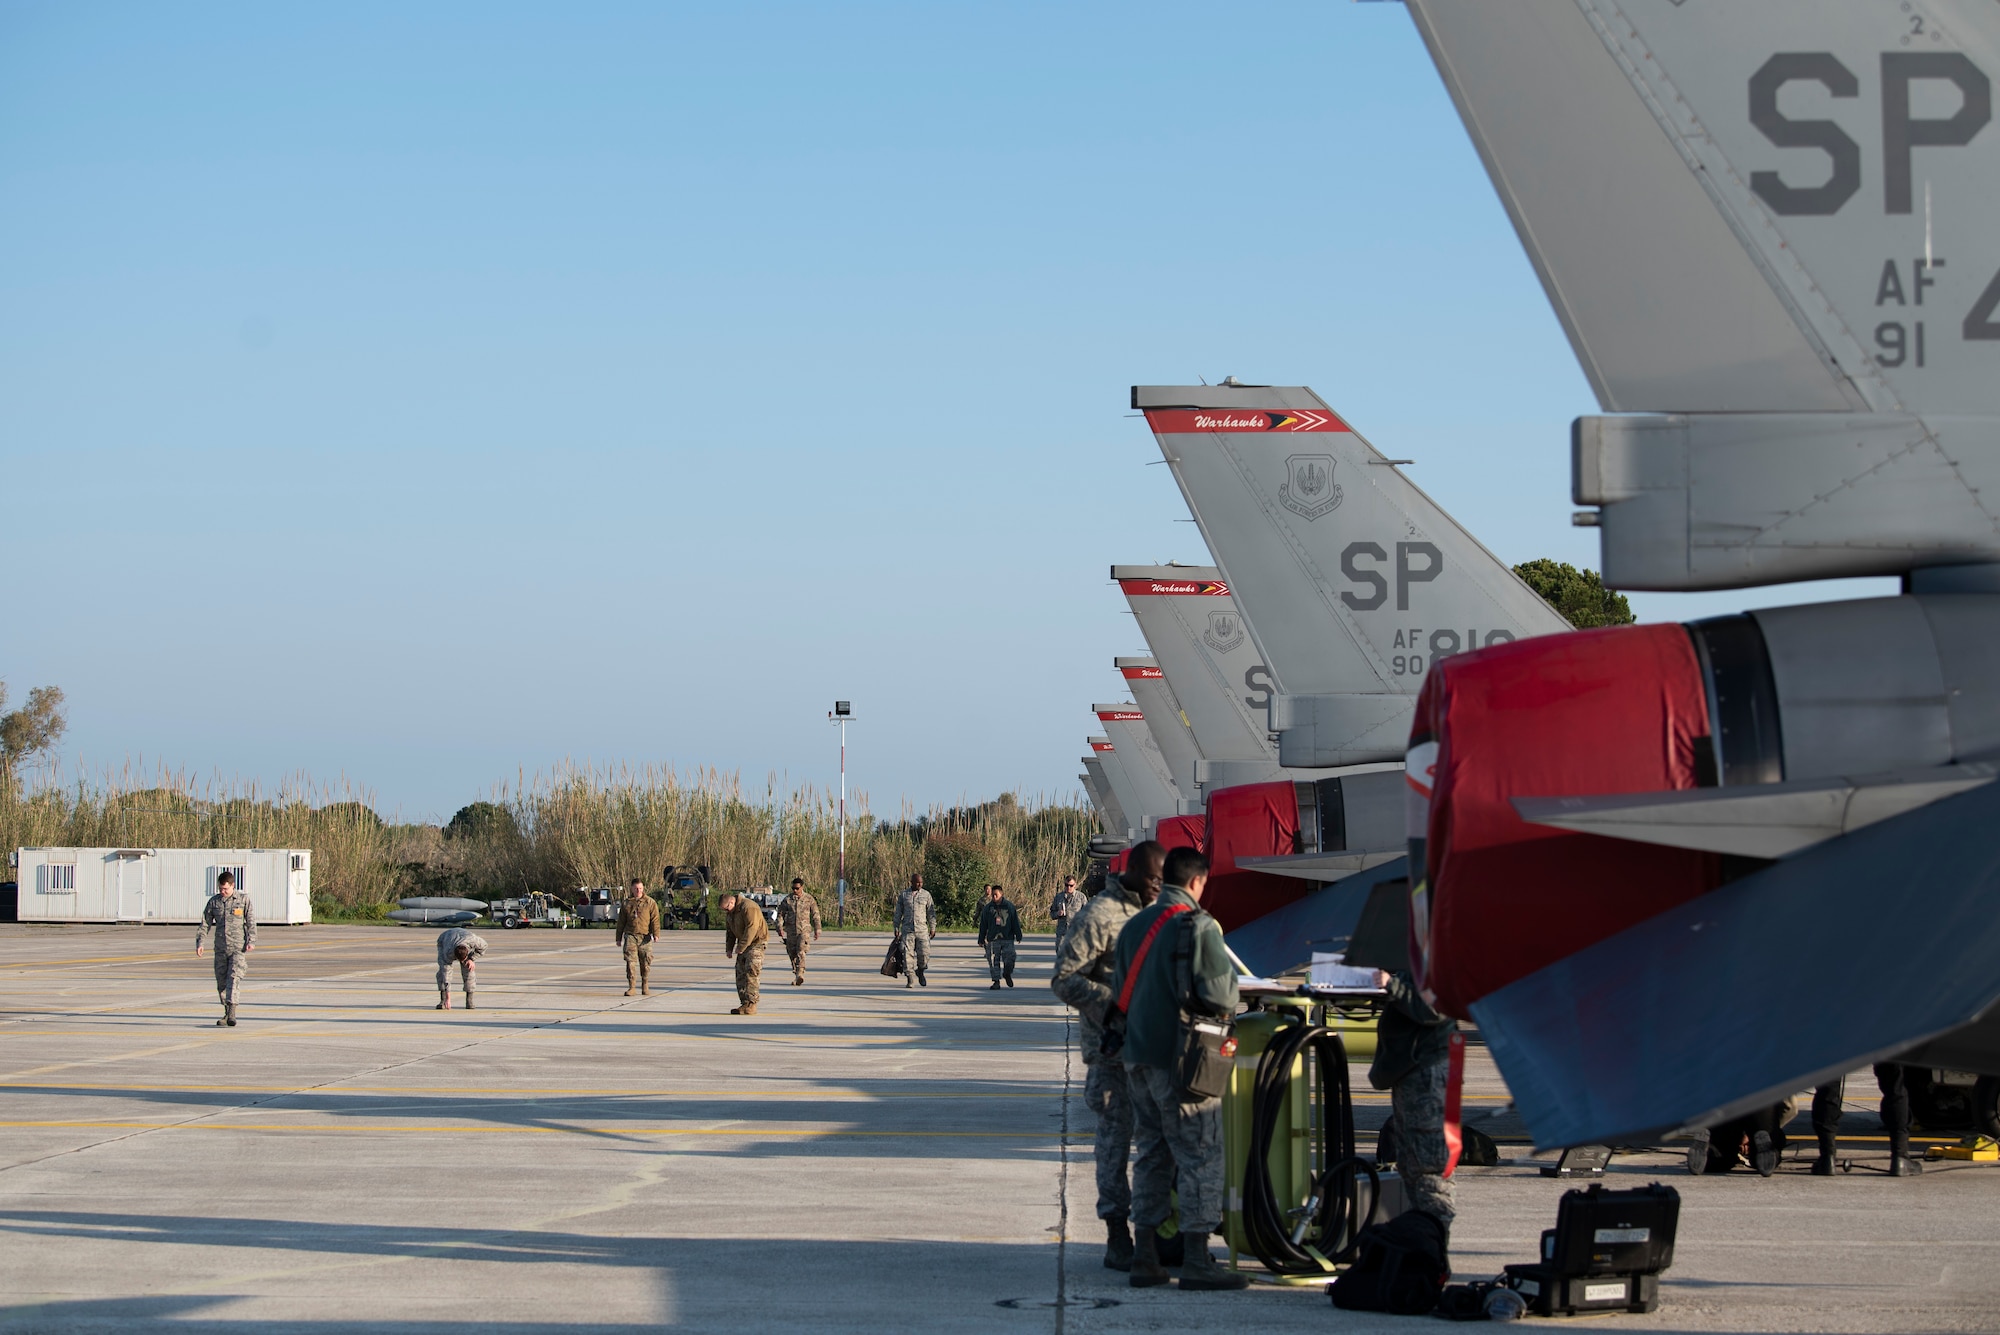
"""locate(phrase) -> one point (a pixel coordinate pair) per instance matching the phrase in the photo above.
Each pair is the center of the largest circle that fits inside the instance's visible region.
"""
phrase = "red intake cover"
(1615, 710)
(1251, 820)
(1182, 832)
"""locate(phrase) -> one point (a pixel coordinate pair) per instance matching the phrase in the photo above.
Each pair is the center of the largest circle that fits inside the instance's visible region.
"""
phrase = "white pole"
(841, 912)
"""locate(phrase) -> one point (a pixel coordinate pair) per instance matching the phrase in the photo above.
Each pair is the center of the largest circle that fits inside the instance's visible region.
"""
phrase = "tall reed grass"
(580, 826)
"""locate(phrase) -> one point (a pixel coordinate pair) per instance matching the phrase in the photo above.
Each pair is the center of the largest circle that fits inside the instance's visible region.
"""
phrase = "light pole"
(842, 711)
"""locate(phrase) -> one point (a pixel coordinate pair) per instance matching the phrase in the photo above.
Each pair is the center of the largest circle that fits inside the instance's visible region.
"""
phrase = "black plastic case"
(1550, 1294)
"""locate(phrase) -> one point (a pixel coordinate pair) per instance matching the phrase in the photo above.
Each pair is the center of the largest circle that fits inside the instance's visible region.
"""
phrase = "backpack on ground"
(1402, 1268)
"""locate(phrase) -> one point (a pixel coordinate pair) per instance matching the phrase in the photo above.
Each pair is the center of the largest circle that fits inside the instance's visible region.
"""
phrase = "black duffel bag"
(1401, 1268)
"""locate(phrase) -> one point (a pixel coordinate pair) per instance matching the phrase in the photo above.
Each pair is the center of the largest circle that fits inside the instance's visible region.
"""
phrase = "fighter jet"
(1146, 769)
(1340, 582)
(1123, 793)
(1201, 645)
(1676, 873)
(1166, 724)
(1100, 801)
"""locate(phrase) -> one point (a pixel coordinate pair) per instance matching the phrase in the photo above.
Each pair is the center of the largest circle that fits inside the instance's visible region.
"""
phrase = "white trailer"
(159, 885)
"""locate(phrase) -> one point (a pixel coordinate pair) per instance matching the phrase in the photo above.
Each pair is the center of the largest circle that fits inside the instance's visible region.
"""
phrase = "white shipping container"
(163, 885)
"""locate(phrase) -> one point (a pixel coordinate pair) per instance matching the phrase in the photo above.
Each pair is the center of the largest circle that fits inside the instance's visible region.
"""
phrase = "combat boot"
(1900, 1165)
(229, 1014)
(1117, 1244)
(468, 1001)
(1199, 1270)
(1823, 1166)
(922, 981)
(444, 1001)
(996, 985)
(645, 984)
(1147, 1272)
(1763, 1154)
(743, 1010)
(1009, 974)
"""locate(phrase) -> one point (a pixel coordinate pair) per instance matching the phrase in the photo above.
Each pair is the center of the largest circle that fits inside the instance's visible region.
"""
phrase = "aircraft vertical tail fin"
(1352, 580)
(1768, 226)
(1166, 723)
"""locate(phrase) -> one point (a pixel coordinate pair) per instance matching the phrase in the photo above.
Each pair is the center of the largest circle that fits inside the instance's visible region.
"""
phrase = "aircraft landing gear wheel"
(1986, 1105)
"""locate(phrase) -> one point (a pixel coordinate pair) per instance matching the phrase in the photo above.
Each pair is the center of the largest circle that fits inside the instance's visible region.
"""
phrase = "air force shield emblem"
(1309, 490)
(1225, 631)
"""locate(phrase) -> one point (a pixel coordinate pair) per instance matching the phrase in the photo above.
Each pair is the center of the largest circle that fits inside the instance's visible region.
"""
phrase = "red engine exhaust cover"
(1616, 710)
(1248, 821)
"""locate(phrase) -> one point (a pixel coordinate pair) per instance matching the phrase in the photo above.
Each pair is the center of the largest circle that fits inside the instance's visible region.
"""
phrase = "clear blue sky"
(422, 394)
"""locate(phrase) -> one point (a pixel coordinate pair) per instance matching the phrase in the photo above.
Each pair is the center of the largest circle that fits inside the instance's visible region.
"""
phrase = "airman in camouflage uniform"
(234, 923)
(457, 946)
(746, 933)
(1069, 901)
(916, 925)
(1084, 965)
(1177, 1137)
(637, 928)
(999, 930)
(798, 923)
(1412, 1060)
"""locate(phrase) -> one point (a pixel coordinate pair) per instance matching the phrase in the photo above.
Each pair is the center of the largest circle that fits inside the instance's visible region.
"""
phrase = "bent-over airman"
(745, 935)
(457, 946)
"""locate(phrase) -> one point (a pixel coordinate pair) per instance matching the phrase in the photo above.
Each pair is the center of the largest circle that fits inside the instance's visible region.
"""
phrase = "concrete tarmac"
(856, 1157)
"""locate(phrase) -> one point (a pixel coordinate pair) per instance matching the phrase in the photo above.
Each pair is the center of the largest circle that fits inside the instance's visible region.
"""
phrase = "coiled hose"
(1325, 1233)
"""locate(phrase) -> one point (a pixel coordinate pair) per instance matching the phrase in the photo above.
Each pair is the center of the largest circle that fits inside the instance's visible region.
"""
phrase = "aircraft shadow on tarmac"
(834, 1284)
(1009, 1119)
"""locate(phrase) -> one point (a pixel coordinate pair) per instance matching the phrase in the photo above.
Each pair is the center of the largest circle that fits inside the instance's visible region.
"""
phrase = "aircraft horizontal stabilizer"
(1849, 952)
(1284, 939)
(1759, 821)
(1323, 866)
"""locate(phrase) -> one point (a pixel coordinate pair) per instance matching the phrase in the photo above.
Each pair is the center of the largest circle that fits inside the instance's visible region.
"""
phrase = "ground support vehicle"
(685, 892)
(597, 904)
(534, 909)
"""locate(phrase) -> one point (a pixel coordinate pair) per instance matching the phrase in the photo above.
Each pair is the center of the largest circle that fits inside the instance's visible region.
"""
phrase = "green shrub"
(1578, 595)
(956, 872)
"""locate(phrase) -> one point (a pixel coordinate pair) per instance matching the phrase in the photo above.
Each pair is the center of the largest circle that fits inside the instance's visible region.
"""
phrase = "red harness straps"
(1139, 960)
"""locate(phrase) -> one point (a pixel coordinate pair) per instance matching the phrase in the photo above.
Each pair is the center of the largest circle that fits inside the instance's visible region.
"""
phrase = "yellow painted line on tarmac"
(536, 1093)
(725, 1132)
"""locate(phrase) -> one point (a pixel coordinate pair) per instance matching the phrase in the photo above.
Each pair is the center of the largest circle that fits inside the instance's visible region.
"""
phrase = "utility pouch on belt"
(1207, 1055)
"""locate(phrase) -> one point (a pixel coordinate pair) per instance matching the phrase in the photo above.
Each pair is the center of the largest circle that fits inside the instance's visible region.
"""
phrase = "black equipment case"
(1604, 1254)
